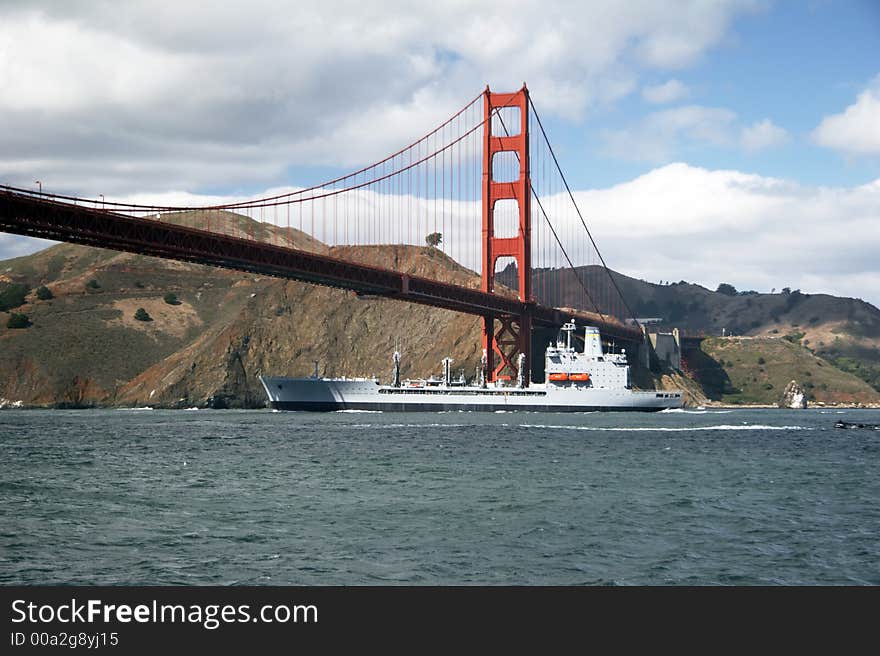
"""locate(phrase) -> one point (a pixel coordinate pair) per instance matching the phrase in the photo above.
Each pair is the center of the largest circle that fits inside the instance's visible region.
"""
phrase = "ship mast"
(395, 374)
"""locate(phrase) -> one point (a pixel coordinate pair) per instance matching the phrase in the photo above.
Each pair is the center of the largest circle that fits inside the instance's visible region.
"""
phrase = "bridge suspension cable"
(418, 211)
(578, 211)
(549, 224)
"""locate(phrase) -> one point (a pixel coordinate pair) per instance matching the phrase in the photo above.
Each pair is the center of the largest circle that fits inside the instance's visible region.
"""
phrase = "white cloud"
(667, 92)
(235, 95)
(683, 222)
(161, 95)
(680, 222)
(762, 134)
(856, 131)
(662, 134)
(17, 246)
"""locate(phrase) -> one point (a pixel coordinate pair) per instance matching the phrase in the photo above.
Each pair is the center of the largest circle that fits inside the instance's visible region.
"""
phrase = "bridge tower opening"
(506, 336)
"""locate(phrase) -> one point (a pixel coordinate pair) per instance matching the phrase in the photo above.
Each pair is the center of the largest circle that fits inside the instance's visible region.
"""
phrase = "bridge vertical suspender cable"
(431, 185)
(577, 209)
(550, 224)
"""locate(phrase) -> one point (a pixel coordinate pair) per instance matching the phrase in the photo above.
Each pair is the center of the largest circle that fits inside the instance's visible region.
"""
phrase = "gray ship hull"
(318, 394)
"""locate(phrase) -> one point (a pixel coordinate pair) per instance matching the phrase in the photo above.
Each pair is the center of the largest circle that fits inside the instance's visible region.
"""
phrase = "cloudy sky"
(732, 141)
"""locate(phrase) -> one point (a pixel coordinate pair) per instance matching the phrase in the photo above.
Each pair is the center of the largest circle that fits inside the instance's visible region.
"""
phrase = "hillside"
(843, 331)
(755, 370)
(84, 342)
(84, 346)
(285, 327)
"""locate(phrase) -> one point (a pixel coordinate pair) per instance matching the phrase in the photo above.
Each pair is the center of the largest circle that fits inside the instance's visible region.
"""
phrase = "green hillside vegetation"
(86, 342)
(756, 370)
(12, 296)
(17, 321)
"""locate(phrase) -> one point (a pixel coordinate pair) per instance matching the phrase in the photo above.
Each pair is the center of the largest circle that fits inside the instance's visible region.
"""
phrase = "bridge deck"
(38, 216)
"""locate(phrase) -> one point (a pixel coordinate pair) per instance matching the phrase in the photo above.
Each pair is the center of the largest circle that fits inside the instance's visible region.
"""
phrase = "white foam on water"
(358, 412)
(434, 425)
(667, 429)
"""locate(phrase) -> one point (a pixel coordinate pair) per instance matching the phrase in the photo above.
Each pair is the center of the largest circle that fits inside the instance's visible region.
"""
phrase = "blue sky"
(742, 133)
(791, 62)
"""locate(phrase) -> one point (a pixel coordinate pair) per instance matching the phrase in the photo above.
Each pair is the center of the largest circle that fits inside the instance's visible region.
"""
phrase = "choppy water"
(253, 497)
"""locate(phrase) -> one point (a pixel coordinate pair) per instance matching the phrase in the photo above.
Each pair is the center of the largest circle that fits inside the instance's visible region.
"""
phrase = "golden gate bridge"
(484, 188)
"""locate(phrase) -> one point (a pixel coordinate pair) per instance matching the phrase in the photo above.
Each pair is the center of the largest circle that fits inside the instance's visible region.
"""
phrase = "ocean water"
(261, 497)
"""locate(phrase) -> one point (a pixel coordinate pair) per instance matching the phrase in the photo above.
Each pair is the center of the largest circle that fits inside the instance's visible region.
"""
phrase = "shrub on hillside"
(44, 293)
(171, 298)
(17, 320)
(142, 315)
(726, 289)
(794, 338)
(11, 296)
(434, 239)
(93, 284)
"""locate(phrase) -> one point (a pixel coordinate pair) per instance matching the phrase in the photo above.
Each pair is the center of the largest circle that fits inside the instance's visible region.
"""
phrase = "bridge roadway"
(48, 218)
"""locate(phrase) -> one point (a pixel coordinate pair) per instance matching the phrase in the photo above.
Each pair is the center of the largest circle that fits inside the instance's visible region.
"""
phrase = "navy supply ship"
(576, 382)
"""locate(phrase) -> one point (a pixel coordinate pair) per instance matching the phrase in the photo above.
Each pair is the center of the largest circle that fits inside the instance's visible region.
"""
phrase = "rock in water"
(794, 397)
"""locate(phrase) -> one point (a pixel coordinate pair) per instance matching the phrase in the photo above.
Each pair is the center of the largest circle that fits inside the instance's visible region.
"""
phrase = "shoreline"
(813, 406)
(702, 406)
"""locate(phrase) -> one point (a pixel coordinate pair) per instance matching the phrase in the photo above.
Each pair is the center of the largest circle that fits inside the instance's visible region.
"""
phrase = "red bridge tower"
(507, 335)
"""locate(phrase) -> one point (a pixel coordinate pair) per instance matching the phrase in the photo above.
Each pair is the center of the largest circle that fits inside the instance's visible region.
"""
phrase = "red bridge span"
(484, 187)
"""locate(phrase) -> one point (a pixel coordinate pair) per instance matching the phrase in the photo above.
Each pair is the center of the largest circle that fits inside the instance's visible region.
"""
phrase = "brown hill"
(844, 331)
(285, 327)
(85, 347)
